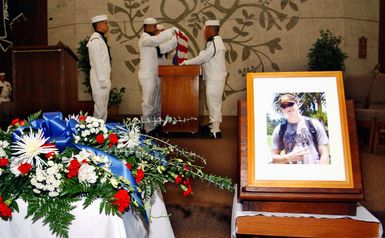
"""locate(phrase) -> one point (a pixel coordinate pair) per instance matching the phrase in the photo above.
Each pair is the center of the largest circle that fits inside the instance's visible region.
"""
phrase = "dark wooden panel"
(45, 78)
(180, 95)
(29, 31)
(381, 38)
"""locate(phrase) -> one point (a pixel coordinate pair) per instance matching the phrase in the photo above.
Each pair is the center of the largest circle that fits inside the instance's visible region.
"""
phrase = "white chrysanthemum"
(30, 146)
(130, 139)
(87, 174)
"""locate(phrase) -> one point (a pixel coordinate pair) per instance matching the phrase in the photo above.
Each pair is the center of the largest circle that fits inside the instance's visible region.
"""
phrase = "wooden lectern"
(180, 96)
(45, 78)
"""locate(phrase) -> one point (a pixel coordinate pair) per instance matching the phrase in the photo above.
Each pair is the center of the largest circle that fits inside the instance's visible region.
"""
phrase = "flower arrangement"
(51, 162)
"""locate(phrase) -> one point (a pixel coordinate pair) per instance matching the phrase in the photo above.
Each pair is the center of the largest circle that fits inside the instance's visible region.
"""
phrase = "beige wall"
(281, 43)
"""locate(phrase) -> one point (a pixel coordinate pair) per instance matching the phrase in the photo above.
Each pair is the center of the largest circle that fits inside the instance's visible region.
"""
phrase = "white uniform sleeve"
(168, 45)
(153, 41)
(95, 54)
(204, 56)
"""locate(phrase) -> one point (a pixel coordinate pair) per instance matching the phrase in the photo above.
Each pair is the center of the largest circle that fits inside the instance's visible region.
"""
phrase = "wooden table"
(295, 224)
(304, 225)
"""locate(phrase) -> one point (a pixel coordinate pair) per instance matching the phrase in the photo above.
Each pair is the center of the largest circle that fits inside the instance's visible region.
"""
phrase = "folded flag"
(181, 49)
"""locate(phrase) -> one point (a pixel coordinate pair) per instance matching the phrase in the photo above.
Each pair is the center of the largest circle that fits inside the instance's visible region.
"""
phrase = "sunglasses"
(285, 105)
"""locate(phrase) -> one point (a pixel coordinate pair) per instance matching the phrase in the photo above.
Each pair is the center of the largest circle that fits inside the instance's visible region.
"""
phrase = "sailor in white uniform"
(212, 59)
(100, 62)
(148, 72)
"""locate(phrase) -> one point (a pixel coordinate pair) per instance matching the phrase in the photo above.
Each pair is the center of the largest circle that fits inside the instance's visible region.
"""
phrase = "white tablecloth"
(90, 223)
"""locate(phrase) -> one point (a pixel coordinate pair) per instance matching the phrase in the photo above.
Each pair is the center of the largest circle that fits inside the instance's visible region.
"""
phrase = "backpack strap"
(282, 129)
(312, 130)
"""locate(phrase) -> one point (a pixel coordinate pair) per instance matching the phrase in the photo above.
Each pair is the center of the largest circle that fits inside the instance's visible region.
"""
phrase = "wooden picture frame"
(335, 195)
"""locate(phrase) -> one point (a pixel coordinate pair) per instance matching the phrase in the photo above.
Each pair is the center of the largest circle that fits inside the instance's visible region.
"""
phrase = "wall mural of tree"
(244, 18)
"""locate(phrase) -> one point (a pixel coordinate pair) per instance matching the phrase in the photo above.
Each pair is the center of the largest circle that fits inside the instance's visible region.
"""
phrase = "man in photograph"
(300, 139)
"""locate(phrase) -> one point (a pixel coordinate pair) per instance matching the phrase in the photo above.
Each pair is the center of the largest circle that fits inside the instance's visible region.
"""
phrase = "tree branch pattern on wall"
(240, 19)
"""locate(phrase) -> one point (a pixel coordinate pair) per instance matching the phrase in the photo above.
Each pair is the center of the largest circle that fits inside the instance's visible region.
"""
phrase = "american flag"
(181, 49)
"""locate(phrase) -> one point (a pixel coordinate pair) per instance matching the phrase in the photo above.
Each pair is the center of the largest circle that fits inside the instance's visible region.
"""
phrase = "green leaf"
(245, 53)
(292, 23)
(131, 49)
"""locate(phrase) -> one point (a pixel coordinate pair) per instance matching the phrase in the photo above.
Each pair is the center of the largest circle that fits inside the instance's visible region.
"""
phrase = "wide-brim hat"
(150, 21)
(99, 18)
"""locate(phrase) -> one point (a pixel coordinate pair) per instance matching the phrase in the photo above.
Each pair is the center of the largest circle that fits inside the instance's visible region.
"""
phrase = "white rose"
(87, 174)
(33, 181)
(14, 168)
(2, 153)
(53, 194)
(77, 138)
(39, 186)
(5, 144)
(51, 171)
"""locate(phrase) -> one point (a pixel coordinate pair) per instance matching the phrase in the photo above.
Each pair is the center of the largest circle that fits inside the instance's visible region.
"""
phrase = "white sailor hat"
(212, 23)
(99, 18)
(2, 74)
(150, 21)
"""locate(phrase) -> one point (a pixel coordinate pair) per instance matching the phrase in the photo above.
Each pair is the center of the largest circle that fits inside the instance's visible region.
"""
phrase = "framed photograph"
(297, 132)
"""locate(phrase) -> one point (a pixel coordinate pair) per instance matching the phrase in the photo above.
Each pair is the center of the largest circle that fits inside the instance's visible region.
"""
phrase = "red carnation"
(129, 166)
(122, 199)
(50, 155)
(4, 162)
(187, 168)
(100, 139)
(73, 168)
(21, 122)
(82, 118)
(5, 211)
(187, 181)
(188, 191)
(15, 121)
(178, 179)
(139, 175)
(113, 138)
(24, 168)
